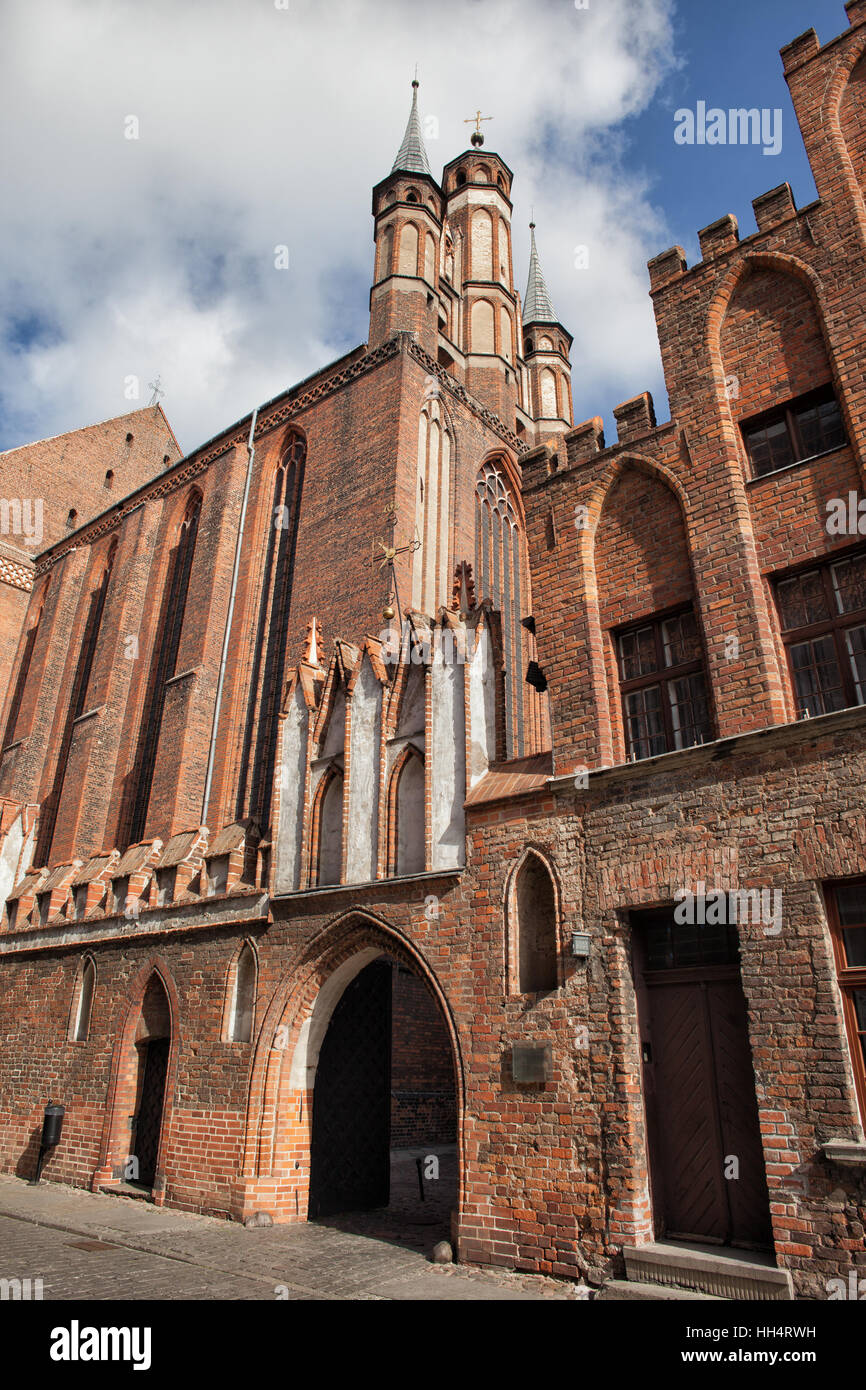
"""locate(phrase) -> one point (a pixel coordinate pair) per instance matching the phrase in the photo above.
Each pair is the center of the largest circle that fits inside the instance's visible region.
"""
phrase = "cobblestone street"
(94, 1246)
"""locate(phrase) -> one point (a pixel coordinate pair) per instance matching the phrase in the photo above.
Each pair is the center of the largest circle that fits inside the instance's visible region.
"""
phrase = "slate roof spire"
(537, 303)
(412, 156)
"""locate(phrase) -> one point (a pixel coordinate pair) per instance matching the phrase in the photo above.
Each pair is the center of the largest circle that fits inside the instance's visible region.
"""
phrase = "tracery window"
(499, 571)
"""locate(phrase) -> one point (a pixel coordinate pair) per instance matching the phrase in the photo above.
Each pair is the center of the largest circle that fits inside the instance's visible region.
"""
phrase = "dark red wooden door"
(708, 1177)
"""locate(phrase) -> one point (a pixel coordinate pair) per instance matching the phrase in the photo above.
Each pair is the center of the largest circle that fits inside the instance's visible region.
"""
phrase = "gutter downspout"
(211, 757)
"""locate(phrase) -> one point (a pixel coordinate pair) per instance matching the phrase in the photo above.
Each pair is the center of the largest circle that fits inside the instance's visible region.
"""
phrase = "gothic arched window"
(432, 511)
(386, 252)
(532, 928)
(77, 705)
(163, 665)
(269, 654)
(408, 262)
(242, 1007)
(24, 663)
(408, 818)
(329, 829)
(499, 571)
(82, 1003)
(482, 245)
(482, 321)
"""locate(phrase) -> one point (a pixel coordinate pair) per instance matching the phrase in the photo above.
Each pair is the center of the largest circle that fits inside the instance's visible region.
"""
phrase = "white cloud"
(261, 126)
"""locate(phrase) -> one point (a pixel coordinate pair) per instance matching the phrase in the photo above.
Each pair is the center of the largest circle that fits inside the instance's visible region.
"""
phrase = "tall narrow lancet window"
(533, 928)
(499, 568)
(83, 1001)
(432, 511)
(163, 664)
(255, 784)
(243, 997)
(329, 847)
(23, 671)
(77, 705)
(408, 815)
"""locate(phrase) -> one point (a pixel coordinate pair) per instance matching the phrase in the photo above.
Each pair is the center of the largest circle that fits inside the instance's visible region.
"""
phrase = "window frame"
(79, 1019)
(788, 413)
(835, 626)
(849, 978)
(662, 676)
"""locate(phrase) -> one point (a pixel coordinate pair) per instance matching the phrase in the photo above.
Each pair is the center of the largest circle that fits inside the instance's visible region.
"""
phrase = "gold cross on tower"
(388, 555)
(389, 552)
(477, 134)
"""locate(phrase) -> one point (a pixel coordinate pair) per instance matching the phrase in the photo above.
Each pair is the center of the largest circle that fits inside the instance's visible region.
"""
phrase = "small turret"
(546, 346)
(407, 207)
(477, 190)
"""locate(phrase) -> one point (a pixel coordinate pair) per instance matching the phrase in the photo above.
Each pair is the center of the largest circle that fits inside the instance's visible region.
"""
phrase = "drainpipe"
(229, 615)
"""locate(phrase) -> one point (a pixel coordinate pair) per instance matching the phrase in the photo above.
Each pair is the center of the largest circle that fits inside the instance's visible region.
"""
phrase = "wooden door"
(350, 1152)
(707, 1164)
(148, 1126)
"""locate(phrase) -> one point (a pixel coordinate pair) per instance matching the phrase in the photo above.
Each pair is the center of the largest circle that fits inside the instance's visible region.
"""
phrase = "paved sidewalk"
(157, 1253)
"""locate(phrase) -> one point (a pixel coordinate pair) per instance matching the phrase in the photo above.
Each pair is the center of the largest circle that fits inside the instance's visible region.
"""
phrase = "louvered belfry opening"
(163, 667)
(256, 779)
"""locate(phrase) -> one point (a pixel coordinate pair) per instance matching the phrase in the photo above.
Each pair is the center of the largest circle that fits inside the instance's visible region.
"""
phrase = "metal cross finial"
(477, 118)
(157, 391)
(387, 557)
(390, 552)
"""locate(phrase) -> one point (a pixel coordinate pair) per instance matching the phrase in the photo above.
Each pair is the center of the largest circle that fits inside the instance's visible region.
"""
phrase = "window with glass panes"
(822, 612)
(800, 429)
(847, 905)
(663, 686)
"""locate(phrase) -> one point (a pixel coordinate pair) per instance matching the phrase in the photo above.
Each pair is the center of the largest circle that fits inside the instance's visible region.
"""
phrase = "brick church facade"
(410, 766)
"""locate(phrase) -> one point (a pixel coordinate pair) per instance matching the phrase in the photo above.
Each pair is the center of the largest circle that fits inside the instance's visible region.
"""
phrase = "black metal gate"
(349, 1162)
(149, 1119)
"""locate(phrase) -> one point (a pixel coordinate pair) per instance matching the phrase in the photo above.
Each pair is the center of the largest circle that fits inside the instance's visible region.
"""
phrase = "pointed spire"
(537, 303)
(314, 637)
(412, 156)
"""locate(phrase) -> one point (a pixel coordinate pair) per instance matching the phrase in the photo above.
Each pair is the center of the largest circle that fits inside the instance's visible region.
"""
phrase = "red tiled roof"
(513, 778)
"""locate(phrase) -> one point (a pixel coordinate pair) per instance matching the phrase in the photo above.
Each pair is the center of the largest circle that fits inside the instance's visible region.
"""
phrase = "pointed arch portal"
(357, 1114)
(141, 1087)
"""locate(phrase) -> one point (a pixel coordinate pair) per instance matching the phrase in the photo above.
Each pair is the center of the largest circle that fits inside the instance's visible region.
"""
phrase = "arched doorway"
(152, 1047)
(383, 1144)
(351, 1137)
(141, 1086)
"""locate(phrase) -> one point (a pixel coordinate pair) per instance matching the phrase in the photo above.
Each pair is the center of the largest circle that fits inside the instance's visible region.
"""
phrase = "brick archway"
(123, 1078)
(278, 1136)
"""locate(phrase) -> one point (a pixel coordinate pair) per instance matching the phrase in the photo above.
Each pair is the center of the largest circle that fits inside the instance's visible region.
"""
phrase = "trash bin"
(52, 1128)
(52, 1125)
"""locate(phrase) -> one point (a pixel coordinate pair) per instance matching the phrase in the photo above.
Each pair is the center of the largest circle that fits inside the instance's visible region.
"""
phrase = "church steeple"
(407, 206)
(412, 156)
(546, 346)
(537, 304)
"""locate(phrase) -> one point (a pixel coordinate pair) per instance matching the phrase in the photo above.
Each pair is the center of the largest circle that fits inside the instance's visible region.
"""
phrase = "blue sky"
(730, 57)
(258, 127)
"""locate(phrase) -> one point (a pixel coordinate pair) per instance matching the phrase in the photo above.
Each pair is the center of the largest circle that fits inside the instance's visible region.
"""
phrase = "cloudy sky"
(264, 123)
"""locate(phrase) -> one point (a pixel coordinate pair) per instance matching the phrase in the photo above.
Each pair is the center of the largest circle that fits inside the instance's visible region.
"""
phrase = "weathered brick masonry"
(515, 852)
(50, 487)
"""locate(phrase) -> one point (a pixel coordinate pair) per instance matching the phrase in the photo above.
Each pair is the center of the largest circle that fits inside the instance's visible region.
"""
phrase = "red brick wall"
(641, 554)
(13, 607)
(68, 471)
(852, 118)
(771, 341)
(423, 1094)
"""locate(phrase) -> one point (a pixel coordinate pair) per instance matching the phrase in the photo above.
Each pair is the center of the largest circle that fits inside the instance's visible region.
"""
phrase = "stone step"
(128, 1189)
(621, 1289)
(709, 1269)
